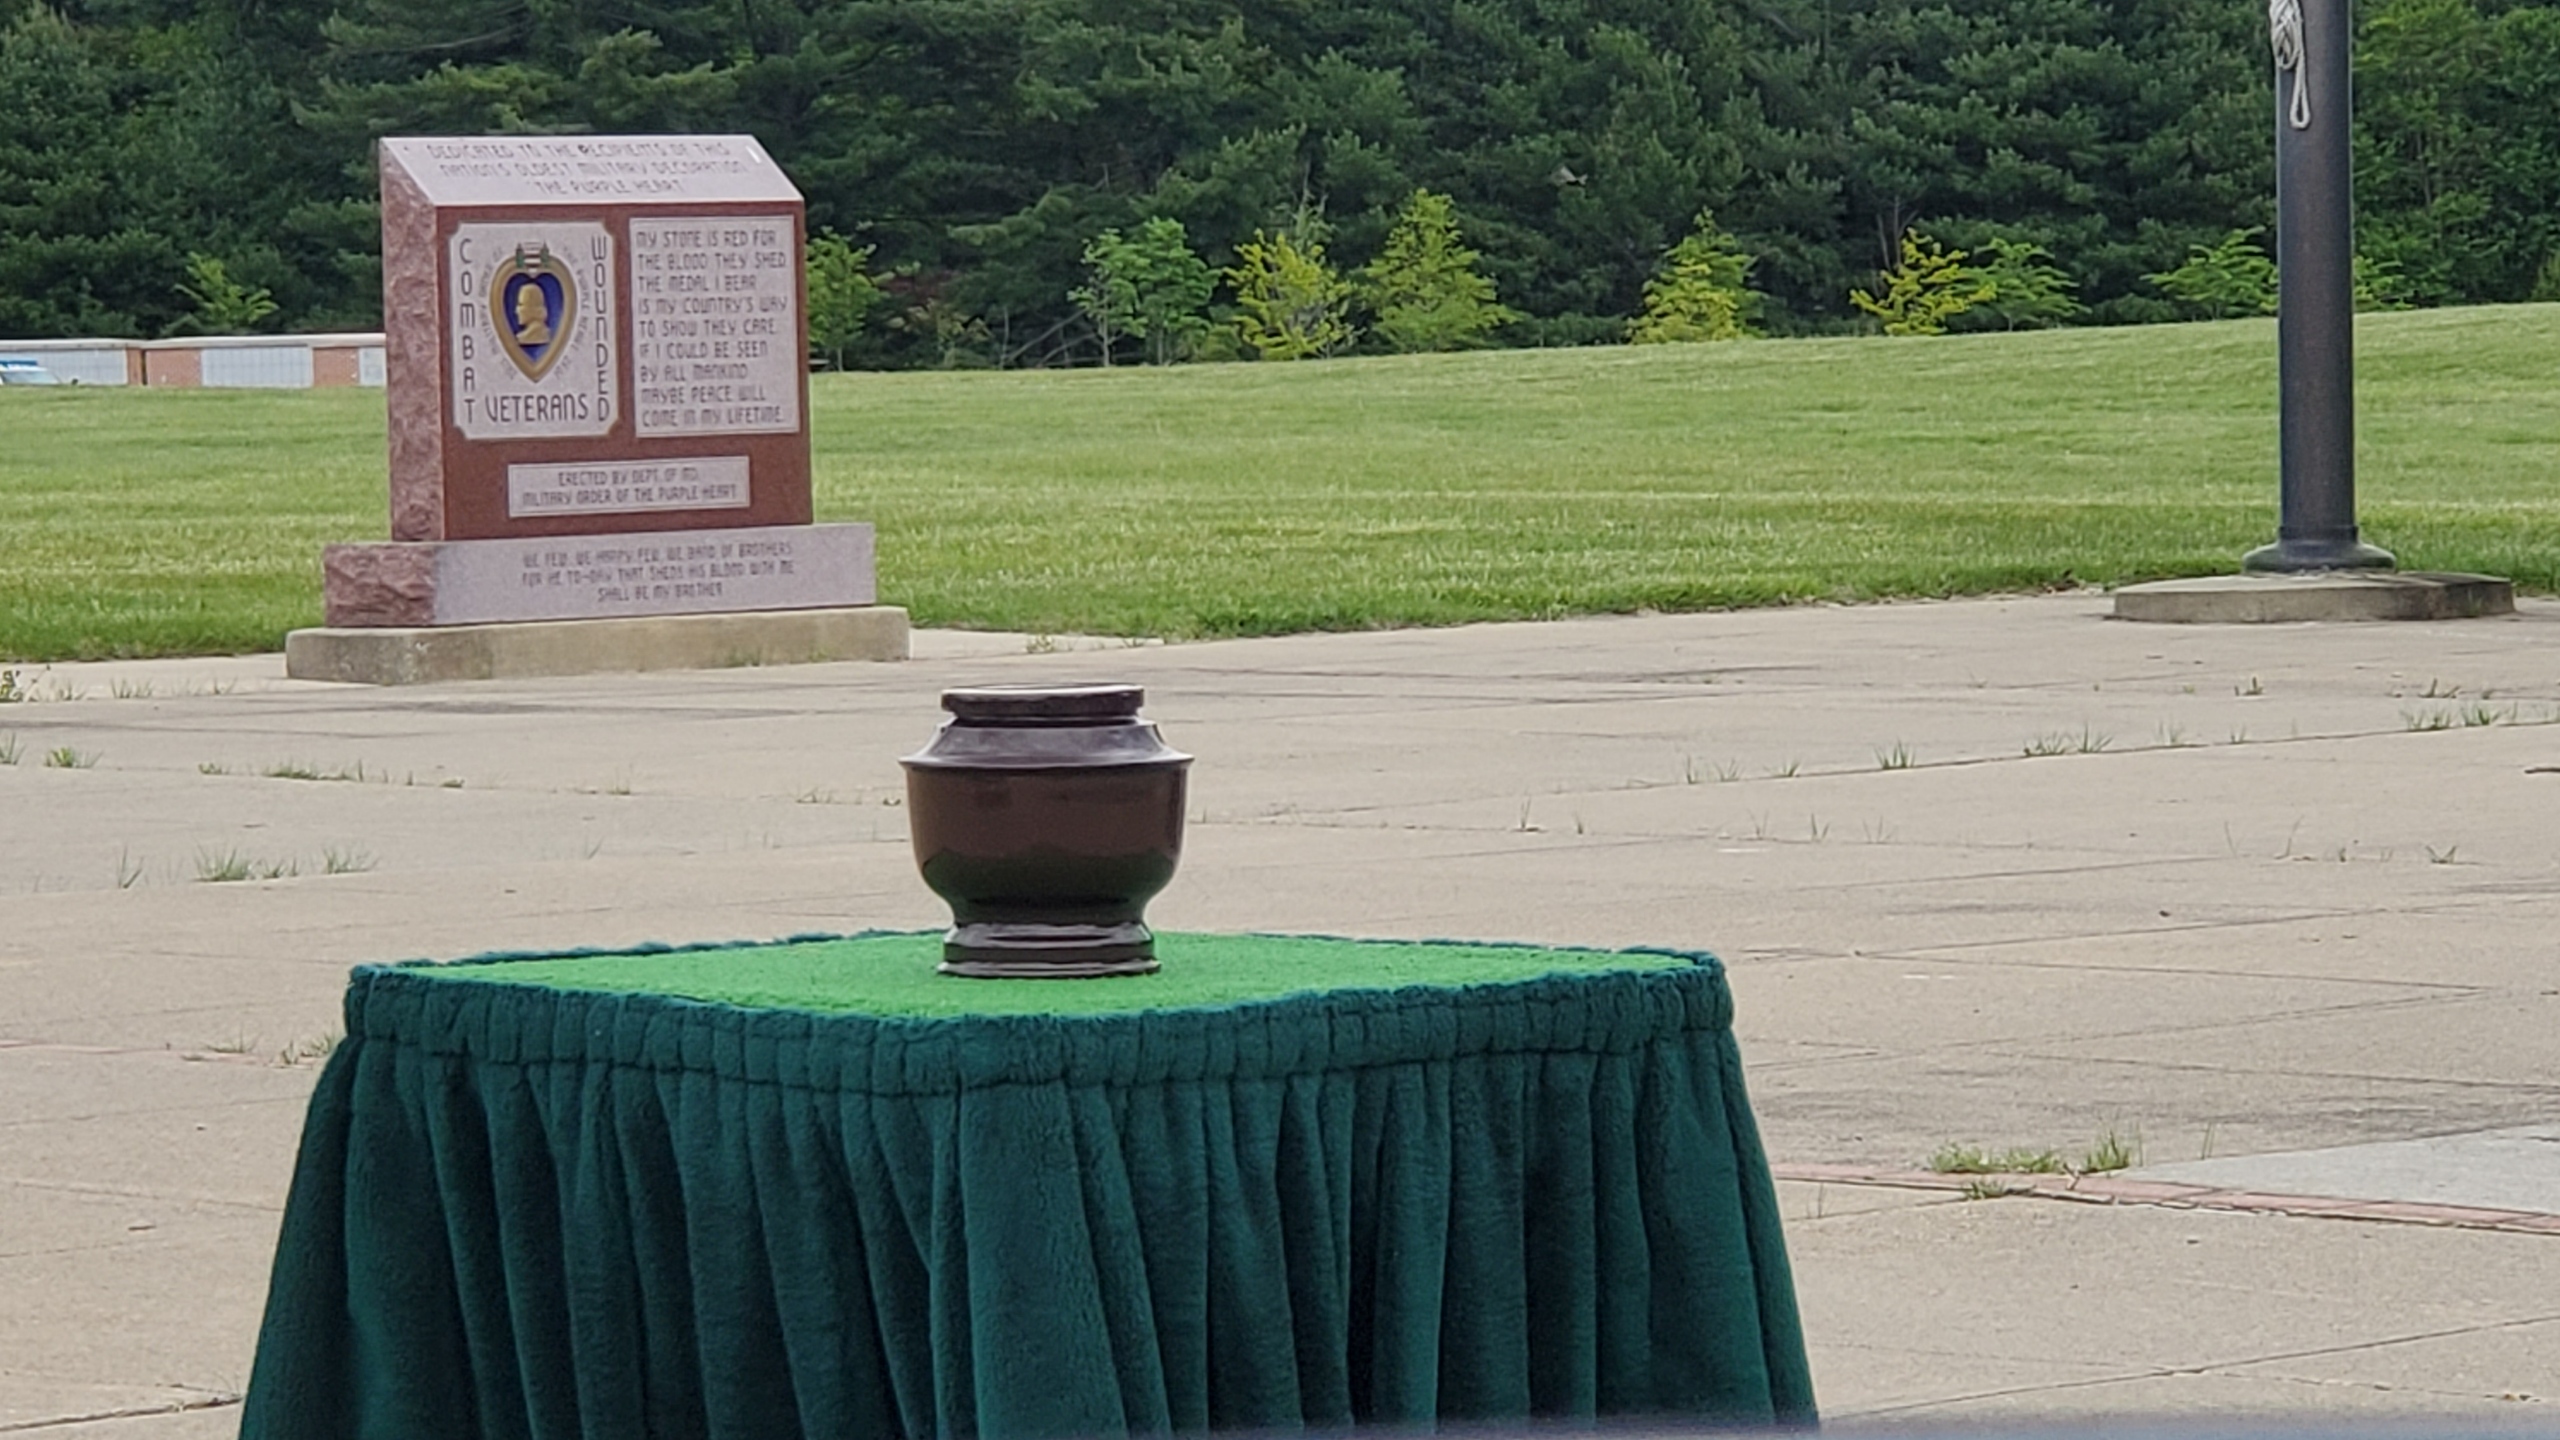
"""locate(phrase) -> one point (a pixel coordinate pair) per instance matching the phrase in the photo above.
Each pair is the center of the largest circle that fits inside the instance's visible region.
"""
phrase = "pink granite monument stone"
(597, 389)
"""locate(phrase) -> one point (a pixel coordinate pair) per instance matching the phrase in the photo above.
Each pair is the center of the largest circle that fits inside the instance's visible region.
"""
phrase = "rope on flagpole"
(2284, 29)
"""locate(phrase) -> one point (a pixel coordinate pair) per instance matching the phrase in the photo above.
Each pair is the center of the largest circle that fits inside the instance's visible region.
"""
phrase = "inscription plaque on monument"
(598, 341)
(715, 309)
(532, 331)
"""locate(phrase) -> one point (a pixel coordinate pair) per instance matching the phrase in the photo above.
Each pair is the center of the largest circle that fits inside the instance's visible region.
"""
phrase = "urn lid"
(1043, 704)
(1041, 727)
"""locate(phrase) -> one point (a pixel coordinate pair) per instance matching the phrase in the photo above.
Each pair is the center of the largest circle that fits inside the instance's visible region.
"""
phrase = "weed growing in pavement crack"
(308, 1049)
(2112, 1152)
(296, 770)
(1954, 1159)
(355, 859)
(225, 865)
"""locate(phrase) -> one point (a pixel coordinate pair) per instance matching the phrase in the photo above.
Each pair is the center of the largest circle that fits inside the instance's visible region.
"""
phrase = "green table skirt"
(547, 1212)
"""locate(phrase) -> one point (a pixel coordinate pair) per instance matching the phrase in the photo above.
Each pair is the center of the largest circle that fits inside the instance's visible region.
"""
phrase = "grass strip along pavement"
(1264, 498)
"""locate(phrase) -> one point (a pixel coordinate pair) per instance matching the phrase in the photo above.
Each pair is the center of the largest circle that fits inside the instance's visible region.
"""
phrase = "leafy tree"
(1290, 303)
(224, 306)
(2379, 285)
(1699, 292)
(1109, 298)
(1148, 286)
(958, 338)
(2546, 284)
(1931, 286)
(2028, 290)
(2234, 277)
(842, 294)
(1424, 288)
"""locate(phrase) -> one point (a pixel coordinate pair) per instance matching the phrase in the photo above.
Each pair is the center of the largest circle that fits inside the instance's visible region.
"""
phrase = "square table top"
(892, 975)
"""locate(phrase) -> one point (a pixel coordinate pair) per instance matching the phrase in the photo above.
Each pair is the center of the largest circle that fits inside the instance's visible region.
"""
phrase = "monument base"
(424, 655)
(597, 577)
(2324, 595)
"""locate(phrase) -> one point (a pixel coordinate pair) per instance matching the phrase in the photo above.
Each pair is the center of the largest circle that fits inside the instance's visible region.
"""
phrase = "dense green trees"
(979, 147)
(130, 139)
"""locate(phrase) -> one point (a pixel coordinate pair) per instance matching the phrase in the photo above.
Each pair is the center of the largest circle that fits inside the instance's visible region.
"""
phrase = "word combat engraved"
(715, 326)
(532, 327)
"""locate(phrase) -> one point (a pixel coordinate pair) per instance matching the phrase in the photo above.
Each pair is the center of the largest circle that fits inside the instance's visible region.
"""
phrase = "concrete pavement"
(1993, 873)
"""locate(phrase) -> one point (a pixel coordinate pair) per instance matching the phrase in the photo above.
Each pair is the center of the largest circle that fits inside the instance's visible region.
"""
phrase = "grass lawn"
(1242, 499)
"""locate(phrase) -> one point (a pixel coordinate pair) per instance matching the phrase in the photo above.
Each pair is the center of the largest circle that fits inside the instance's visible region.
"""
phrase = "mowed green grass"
(1247, 499)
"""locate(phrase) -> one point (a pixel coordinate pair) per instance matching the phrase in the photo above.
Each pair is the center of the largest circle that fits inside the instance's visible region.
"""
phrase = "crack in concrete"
(2209, 1368)
(137, 1412)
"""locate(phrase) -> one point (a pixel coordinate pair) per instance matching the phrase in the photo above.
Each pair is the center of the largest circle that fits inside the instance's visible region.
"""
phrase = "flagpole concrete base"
(2332, 595)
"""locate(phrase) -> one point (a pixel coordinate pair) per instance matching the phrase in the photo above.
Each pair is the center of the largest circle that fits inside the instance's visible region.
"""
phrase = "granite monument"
(597, 385)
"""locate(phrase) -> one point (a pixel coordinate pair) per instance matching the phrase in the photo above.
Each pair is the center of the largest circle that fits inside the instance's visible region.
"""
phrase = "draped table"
(813, 1188)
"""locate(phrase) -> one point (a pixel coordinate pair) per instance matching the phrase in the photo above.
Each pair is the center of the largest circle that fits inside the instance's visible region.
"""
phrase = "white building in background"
(260, 362)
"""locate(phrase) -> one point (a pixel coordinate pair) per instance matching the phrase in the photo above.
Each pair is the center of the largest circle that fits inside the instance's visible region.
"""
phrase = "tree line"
(992, 169)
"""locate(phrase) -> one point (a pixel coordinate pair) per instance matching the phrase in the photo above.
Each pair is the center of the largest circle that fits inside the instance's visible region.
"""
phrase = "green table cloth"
(811, 1188)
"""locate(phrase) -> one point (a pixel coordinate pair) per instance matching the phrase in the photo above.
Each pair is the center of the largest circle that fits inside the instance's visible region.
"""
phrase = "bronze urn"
(1047, 817)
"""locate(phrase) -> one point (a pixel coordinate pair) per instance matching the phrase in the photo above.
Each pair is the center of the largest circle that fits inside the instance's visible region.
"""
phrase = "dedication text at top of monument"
(589, 170)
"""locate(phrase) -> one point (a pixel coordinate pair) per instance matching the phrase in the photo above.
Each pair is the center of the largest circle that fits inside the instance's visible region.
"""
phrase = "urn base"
(1021, 950)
